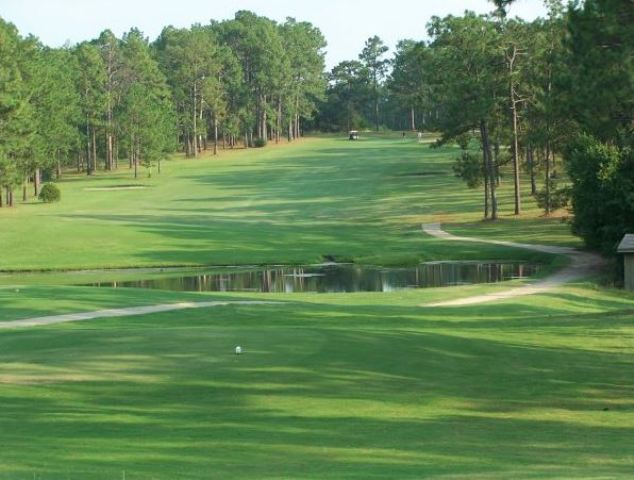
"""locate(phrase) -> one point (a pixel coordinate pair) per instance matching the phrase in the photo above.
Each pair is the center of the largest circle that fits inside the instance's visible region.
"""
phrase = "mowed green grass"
(331, 386)
(359, 386)
(320, 198)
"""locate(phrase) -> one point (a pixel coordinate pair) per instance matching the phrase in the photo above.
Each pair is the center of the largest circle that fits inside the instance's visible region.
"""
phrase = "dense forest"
(550, 100)
(125, 100)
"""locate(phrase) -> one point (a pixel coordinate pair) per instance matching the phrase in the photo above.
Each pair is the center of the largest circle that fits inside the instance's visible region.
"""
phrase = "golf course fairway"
(366, 385)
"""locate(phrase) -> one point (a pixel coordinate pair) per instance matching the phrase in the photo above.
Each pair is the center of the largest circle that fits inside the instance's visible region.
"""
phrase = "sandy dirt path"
(119, 312)
(582, 264)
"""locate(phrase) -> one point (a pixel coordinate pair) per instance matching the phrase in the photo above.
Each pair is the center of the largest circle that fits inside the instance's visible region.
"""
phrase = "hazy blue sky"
(345, 23)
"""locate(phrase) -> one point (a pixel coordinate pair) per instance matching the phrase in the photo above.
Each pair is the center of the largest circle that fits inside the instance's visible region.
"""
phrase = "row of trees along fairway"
(484, 77)
(552, 96)
(113, 100)
(544, 98)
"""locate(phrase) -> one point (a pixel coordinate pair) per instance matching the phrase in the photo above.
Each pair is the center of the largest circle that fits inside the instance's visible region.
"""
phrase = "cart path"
(121, 312)
(582, 264)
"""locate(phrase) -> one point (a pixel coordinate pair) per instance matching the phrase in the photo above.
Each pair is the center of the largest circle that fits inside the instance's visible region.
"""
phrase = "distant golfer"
(420, 136)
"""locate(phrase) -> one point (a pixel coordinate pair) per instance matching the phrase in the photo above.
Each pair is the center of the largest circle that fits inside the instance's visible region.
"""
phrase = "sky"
(346, 24)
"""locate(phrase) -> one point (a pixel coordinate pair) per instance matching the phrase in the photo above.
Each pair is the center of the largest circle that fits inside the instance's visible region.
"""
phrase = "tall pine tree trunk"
(515, 147)
(376, 109)
(531, 168)
(37, 180)
(194, 120)
(548, 154)
(135, 157)
(278, 121)
(491, 173)
(486, 194)
(109, 162)
(109, 153)
(261, 118)
(516, 166)
(215, 134)
(297, 133)
(548, 144)
(413, 118)
(202, 142)
(88, 150)
(94, 148)
(115, 151)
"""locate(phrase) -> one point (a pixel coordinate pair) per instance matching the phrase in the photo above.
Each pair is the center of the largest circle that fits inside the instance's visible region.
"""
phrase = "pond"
(331, 278)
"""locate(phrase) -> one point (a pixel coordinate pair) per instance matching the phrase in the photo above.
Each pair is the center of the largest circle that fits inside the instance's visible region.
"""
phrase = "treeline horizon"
(110, 100)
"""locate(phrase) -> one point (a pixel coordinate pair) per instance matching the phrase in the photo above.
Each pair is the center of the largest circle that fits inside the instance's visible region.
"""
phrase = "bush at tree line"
(50, 193)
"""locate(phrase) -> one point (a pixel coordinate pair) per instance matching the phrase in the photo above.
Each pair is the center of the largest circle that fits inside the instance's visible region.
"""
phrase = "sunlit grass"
(361, 386)
(293, 204)
(331, 386)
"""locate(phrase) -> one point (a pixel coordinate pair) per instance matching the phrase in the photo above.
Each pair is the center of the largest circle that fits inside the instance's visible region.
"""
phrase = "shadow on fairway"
(323, 390)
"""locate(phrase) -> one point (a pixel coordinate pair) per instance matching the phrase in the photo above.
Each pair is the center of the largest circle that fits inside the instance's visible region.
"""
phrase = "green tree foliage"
(346, 99)
(109, 46)
(469, 168)
(16, 113)
(600, 93)
(356, 91)
(247, 77)
(257, 44)
(91, 85)
(107, 98)
(50, 193)
(375, 65)
(406, 85)
(466, 83)
(190, 60)
(547, 128)
(306, 83)
(602, 191)
(601, 66)
(146, 108)
(58, 136)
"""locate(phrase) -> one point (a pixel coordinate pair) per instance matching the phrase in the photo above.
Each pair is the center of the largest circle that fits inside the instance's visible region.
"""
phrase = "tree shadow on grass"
(365, 391)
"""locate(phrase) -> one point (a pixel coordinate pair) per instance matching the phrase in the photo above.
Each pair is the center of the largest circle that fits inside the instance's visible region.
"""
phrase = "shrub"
(559, 197)
(602, 190)
(50, 193)
(259, 142)
(468, 166)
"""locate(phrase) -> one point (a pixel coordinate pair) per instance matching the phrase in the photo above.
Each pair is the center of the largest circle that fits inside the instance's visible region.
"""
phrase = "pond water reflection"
(333, 278)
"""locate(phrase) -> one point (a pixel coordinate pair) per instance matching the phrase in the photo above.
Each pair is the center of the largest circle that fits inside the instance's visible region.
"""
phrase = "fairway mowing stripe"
(122, 312)
(582, 264)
